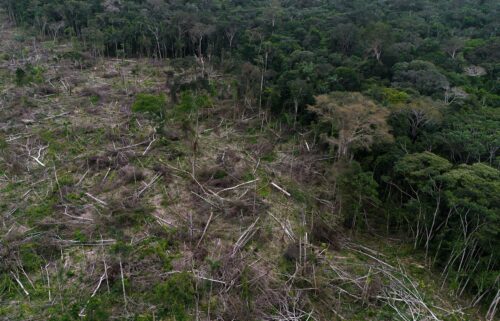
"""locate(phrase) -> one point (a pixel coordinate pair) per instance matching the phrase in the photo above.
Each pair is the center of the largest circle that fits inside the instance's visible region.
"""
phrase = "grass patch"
(269, 157)
(35, 213)
(94, 99)
(3, 143)
(157, 249)
(263, 188)
(30, 259)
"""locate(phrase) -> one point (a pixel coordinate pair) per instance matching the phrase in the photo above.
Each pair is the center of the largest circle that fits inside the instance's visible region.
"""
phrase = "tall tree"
(420, 113)
(356, 122)
(378, 36)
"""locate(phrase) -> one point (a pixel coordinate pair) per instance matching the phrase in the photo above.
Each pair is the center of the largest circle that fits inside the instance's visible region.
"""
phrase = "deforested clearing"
(249, 160)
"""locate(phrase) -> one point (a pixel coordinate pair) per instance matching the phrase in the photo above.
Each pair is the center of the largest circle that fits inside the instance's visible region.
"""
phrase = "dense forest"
(400, 98)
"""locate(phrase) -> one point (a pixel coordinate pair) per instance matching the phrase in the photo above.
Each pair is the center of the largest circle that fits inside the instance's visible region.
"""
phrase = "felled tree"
(356, 122)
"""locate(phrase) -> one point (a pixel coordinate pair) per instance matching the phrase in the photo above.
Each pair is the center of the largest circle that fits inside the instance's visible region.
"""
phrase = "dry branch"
(287, 229)
(102, 278)
(245, 237)
(281, 189)
(20, 284)
(96, 199)
(206, 228)
(237, 186)
(153, 180)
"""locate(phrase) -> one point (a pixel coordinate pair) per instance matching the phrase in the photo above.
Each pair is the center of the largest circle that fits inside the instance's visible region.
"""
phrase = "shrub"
(20, 77)
(175, 296)
(190, 102)
(122, 249)
(29, 257)
(128, 216)
(29, 75)
(148, 103)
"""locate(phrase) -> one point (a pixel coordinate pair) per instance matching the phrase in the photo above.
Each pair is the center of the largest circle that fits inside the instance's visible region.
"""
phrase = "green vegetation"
(284, 159)
(29, 74)
(148, 103)
(175, 296)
